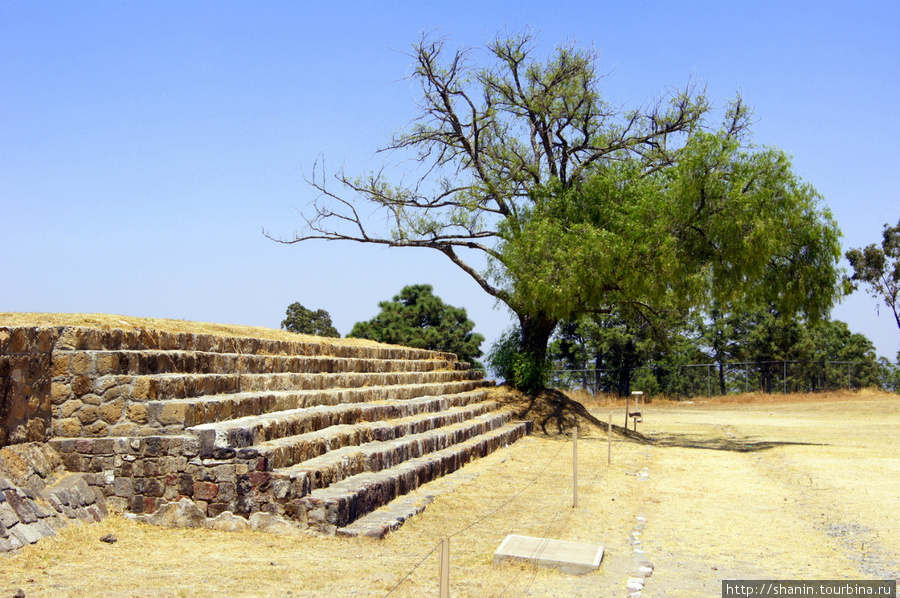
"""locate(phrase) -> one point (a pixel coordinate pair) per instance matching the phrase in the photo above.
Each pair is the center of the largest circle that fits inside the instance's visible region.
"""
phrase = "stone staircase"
(318, 432)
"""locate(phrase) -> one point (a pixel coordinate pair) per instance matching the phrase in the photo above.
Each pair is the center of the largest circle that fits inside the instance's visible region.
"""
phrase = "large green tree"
(306, 321)
(579, 206)
(418, 318)
(879, 269)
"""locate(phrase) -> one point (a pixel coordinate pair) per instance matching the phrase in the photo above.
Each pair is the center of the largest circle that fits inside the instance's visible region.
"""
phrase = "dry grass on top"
(112, 321)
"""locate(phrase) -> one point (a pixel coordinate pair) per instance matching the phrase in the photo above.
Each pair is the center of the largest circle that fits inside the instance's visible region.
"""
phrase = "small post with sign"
(636, 414)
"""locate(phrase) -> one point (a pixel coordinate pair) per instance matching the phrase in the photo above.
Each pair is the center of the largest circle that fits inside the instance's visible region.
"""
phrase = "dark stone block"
(216, 508)
(21, 507)
(153, 446)
(248, 453)
(137, 504)
(224, 453)
(104, 446)
(259, 479)
(153, 488)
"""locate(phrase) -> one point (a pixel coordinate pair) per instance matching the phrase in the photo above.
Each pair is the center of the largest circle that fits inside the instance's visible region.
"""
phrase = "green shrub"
(517, 367)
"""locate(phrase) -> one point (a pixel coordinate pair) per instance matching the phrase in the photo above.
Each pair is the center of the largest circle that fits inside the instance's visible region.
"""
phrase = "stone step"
(105, 363)
(174, 415)
(267, 426)
(345, 501)
(389, 517)
(76, 339)
(287, 451)
(181, 386)
(334, 466)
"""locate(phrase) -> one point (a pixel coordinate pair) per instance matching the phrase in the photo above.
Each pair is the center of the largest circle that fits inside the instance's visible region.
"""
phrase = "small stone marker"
(568, 557)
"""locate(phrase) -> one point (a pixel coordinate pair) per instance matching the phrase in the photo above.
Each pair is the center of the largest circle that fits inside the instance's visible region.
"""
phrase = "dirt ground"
(807, 489)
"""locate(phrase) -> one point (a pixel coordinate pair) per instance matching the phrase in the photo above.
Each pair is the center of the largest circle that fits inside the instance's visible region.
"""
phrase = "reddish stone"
(150, 504)
(262, 464)
(205, 490)
(151, 467)
(259, 478)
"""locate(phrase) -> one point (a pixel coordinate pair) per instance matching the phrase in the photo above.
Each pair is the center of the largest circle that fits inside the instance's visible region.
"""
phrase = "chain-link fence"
(713, 379)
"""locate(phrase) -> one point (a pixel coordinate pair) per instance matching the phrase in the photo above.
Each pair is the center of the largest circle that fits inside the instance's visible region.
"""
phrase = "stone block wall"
(92, 383)
(25, 384)
(145, 419)
(38, 497)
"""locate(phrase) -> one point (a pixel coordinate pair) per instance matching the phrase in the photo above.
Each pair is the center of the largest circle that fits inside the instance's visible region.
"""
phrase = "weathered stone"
(81, 385)
(153, 446)
(205, 491)
(137, 413)
(59, 393)
(266, 522)
(22, 507)
(8, 516)
(227, 521)
(109, 388)
(184, 513)
(70, 407)
(88, 414)
(43, 528)
(25, 533)
(112, 411)
(80, 363)
(124, 429)
(117, 504)
(67, 427)
(92, 399)
(96, 429)
(173, 413)
(224, 473)
(224, 453)
(60, 364)
(108, 363)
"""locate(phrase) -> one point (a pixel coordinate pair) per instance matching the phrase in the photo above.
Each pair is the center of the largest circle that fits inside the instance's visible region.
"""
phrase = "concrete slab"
(568, 557)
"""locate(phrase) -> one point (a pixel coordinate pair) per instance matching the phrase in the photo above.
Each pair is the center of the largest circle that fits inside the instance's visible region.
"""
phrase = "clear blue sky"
(144, 145)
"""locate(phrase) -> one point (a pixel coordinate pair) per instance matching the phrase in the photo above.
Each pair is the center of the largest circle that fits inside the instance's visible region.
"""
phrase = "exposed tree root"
(551, 406)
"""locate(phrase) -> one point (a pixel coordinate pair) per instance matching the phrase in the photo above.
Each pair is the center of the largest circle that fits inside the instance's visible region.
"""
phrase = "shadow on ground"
(737, 445)
(552, 409)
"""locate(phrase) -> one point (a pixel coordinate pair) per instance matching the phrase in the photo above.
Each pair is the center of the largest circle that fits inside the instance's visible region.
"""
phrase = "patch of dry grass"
(111, 321)
(525, 489)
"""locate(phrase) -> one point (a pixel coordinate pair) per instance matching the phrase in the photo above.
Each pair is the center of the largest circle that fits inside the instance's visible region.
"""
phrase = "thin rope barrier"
(405, 577)
(480, 520)
(514, 496)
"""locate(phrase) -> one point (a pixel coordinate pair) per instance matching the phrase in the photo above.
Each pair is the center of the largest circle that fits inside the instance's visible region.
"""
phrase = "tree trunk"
(536, 332)
(722, 378)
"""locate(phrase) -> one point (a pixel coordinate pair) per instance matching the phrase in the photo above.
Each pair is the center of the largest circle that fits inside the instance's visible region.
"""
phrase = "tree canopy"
(879, 269)
(579, 206)
(757, 349)
(305, 321)
(418, 318)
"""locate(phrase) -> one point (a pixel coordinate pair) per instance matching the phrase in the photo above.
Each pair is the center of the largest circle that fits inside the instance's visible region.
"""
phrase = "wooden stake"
(575, 467)
(609, 440)
(445, 568)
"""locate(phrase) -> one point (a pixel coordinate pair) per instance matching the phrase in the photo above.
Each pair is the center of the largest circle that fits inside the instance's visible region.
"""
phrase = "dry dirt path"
(790, 491)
